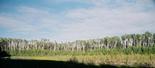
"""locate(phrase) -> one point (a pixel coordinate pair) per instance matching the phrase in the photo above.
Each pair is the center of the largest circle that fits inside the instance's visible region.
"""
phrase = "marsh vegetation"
(129, 49)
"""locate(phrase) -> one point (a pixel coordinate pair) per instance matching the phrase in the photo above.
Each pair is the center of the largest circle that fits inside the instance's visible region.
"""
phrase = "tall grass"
(103, 51)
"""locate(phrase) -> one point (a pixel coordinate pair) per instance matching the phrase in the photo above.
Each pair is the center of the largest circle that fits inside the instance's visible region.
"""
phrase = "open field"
(119, 59)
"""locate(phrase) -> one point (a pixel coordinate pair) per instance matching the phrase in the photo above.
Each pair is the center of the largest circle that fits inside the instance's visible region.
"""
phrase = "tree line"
(146, 39)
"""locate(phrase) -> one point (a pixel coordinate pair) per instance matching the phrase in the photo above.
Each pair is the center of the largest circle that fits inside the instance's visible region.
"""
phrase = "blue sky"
(69, 20)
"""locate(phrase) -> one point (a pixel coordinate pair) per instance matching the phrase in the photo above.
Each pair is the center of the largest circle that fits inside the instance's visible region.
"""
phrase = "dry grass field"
(119, 59)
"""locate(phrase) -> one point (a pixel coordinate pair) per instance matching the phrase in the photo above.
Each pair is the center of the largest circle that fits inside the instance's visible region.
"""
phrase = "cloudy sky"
(68, 20)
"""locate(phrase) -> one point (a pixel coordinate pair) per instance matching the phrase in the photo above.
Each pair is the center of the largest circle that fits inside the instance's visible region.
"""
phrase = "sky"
(69, 20)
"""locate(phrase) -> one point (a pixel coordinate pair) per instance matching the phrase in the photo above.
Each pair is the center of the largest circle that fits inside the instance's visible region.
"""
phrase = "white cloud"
(103, 21)
(15, 25)
(30, 23)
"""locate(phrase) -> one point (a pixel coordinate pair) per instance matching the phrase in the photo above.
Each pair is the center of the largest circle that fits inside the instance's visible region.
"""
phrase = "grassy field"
(118, 59)
(131, 56)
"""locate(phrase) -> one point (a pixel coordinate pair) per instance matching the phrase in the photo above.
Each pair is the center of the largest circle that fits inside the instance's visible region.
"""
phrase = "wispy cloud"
(104, 18)
(31, 22)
